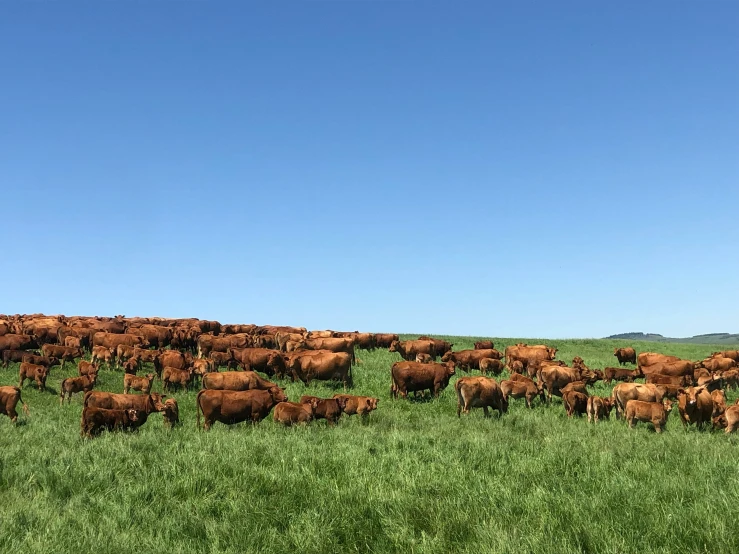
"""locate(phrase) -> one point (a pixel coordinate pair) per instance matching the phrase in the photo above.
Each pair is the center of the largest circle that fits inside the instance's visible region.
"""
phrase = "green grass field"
(412, 478)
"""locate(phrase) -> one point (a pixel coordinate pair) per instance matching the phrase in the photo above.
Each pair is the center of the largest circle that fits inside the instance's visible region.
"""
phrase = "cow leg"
(485, 410)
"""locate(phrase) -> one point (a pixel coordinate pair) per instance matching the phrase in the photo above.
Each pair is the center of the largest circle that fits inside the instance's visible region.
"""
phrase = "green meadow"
(413, 477)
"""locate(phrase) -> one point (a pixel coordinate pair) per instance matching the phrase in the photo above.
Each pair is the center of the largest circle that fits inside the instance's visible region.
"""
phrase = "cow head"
(450, 368)
(277, 394)
(552, 352)
(341, 401)
(447, 356)
(667, 404)
(133, 415)
(691, 394)
(156, 400)
(719, 402)
(394, 346)
(313, 403)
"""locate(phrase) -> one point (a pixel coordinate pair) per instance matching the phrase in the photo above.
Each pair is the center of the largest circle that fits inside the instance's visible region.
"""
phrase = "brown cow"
(70, 385)
(575, 402)
(409, 348)
(171, 413)
(329, 409)
(9, 398)
(169, 358)
(87, 368)
(236, 380)
(676, 368)
(718, 364)
(625, 355)
(480, 392)
(124, 352)
(412, 376)
(626, 392)
(145, 355)
(221, 359)
(265, 360)
(659, 379)
(731, 378)
(333, 344)
(516, 366)
(64, 353)
(94, 420)
(73, 342)
(599, 408)
(142, 384)
(618, 374)
(484, 345)
(470, 359)
(33, 372)
(174, 376)
(327, 366)
(733, 354)
(422, 358)
(143, 403)
(441, 347)
(650, 358)
(17, 342)
(132, 366)
(361, 405)
(719, 402)
(384, 340)
(575, 386)
(489, 364)
(103, 354)
(553, 378)
(527, 354)
(236, 406)
(695, 406)
(523, 387)
(729, 419)
(654, 412)
(290, 413)
(111, 340)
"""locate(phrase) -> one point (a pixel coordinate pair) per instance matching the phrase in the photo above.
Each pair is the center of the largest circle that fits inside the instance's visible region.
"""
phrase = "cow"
(332, 344)
(94, 420)
(14, 356)
(695, 406)
(141, 384)
(515, 366)
(124, 352)
(480, 392)
(492, 365)
(132, 366)
(484, 345)
(47, 361)
(171, 412)
(625, 355)
(521, 388)
(654, 412)
(409, 348)
(143, 403)
(236, 406)
(412, 376)
(145, 355)
(103, 354)
(329, 409)
(384, 340)
(659, 379)
(718, 364)
(423, 358)
(598, 408)
(327, 366)
(470, 359)
(650, 358)
(719, 402)
(361, 405)
(169, 358)
(70, 385)
(174, 376)
(733, 354)
(85, 368)
(611, 374)
(575, 402)
(575, 386)
(553, 378)
(33, 372)
(527, 354)
(112, 340)
(73, 342)
(729, 419)
(441, 347)
(731, 378)
(17, 342)
(626, 392)
(64, 353)
(9, 398)
(676, 368)
(236, 380)
(265, 360)
(218, 359)
(290, 413)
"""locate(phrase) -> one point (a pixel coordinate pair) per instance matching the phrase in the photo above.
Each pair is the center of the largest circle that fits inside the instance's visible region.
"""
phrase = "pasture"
(411, 478)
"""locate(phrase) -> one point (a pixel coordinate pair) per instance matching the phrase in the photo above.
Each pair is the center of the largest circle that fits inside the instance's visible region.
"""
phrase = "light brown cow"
(650, 358)
(412, 376)
(33, 372)
(361, 405)
(599, 408)
(575, 402)
(719, 402)
(171, 413)
(329, 409)
(409, 348)
(675, 368)
(695, 405)
(71, 385)
(102, 354)
(480, 392)
(9, 398)
(87, 368)
(625, 355)
(618, 374)
(484, 345)
(423, 358)
(94, 420)
(654, 412)
(470, 359)
(290, 413)
(72, 342)
(327, 366)
(490, 365)
(718, 364)
(729, 419)
(142, 384)
(522, 387)
(236, 380)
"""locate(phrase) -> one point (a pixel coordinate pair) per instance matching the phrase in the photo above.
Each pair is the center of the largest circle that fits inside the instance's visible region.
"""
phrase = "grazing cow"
(650, 358)
(64, 353)
(575, 402)
(412, 376)
(384, 340)
(33, 372)
(145, 355)
(132, 366)
(173, 376)
(489, 364)
(611, 374)
(265, 360)
(470, 359)
(731, 378)
(143, 403)
(73, 342)
(124, 352)
(327, 366)
(718, 364)
(675, 368)
(141, 384)
(695, 406)
(484, 345)
(222, 359)
(236, 406)
(626, 392)
(599, 408)
(47, 361)
(361, 405)
(201, 367)
(654, 412)
(409, 348)
(441, 347)
(70, 385)
(94, 420)
(522, 387)
(480, 392)
(290, 413)
(552, 378)
(112, 340)
(171, 412)
(13, 356)
(87, 368)
(422, 358)
(625, 355)
(719, 402)
(103, 354)
(659, 379)
(329, 409)
(236, 380)
(9, 398)
(729, 419)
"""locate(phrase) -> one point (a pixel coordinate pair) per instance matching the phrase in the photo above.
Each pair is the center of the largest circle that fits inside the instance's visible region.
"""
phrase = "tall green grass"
(411, 478)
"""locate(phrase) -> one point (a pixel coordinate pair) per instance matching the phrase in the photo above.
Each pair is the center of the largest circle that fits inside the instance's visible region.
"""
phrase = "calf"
(73, 342)
(479, 392)
(575, 386)
(329, 409)
(654, 412)
(516, 366)
(599, 408)
(521, 388)
(361, 405)
(171, 413)
(484, 345)
(173, 376)
(87, 368)
(423, 358)
(729, 419)
(95, 420)
(731, 378)
(695, 405)
(492, 365)
(47, 361)
(619, 374)
(719, 402)
(103, 354)
(9, 398)
(625, 355)
(141, 384)
(575, 402)
(659, 379)
(132, 365)
(33, 372)
(289, 413)
(70, 385)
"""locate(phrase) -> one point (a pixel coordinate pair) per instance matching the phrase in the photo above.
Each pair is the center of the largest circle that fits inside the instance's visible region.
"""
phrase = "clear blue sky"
(551, 169)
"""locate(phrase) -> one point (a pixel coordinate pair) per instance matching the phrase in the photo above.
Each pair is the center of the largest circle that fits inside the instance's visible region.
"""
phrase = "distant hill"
(710, 338)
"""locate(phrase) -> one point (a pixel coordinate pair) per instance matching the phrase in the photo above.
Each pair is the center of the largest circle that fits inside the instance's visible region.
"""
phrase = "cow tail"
(458, 388)
(23, 404)
(198, 408)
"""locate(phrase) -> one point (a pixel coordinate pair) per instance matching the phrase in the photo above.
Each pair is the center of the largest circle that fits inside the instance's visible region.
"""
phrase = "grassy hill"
(412, 478)
(723, 339)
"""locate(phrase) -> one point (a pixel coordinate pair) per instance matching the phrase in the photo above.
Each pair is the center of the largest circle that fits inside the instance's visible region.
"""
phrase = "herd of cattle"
(188, 352)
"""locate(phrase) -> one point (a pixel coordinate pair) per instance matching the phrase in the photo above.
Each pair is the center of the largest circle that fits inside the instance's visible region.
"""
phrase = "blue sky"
(559, 169)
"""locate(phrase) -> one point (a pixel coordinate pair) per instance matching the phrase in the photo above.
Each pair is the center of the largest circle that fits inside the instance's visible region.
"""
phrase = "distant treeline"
(710, 338)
